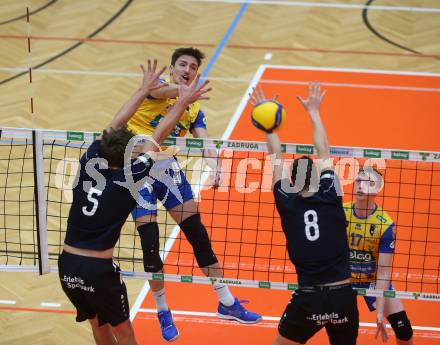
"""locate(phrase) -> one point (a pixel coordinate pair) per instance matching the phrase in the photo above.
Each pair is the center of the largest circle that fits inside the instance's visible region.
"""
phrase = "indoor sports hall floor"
(86, 55)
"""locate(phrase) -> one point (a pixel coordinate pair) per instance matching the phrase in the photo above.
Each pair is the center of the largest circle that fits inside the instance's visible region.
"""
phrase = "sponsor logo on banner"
(382, 219)
(436, 156)
(292, 287)
(158, 276)
(416, 295)
(362, 292)
(264, 285)
(388, 293)
(246, 145)
(369, 153)
(430, 296)
(283, 147)
(229, 281)
(194, 143)
(340, 152)
(424, 155)
(218, 143)
(403, 155)
(76, 136)
(212, 280)
(186, 279)
(95, 135)
(307, 149)
(170, 141)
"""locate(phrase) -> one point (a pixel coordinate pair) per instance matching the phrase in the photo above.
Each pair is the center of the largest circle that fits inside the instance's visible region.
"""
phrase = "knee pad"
(149, 234)
(197, 236)
(401, 325)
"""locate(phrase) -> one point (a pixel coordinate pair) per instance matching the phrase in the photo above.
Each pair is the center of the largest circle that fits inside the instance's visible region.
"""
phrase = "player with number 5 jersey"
(103, 196)
(313, 221)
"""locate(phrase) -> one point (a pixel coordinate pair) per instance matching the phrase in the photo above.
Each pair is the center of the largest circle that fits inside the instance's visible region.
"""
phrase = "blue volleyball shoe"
(237, 312)
(167, 326)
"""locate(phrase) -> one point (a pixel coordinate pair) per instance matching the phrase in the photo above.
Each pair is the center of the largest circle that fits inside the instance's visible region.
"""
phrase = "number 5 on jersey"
(93, 200)
(311, 221)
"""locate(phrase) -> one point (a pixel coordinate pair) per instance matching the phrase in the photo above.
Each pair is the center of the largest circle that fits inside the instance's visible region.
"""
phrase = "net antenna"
(39, 189)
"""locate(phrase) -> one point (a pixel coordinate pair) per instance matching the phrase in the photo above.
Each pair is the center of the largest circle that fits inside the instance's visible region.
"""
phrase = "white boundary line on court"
(274, 318)
(334, 5)
(243, 102)
(263, 67)
(263, 81)
(356, 70)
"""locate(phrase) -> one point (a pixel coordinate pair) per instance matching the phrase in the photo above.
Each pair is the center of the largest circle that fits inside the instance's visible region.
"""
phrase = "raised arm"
(150, 82)
(211, 158)
(383, 279)
(273, 141)
(312, 105)
(187, 95)
(169, 91)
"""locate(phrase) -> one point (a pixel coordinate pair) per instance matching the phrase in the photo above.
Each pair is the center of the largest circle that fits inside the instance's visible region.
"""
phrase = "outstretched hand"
(314, 101)
(192, 93)
(381, 329)
(151, 80)
(257, 97)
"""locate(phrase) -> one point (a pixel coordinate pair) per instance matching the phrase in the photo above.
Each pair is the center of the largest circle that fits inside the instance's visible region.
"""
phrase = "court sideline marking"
(334, 5)
(270, 318)
(200, 317)
(263, 81)
(231, 46)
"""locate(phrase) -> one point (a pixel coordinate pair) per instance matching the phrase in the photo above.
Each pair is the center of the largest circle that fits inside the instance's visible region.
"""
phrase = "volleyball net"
(38, 169)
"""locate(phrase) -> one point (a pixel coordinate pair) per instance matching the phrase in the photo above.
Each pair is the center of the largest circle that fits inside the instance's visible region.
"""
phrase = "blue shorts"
(166, 183)
(370, 300)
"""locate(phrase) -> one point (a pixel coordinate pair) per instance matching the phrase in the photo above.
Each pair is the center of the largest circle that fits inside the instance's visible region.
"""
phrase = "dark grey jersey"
(101, 201)
(315, 230)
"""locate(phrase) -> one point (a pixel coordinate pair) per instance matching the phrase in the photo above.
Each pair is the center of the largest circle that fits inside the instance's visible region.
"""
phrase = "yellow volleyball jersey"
(367, 237)
(152, 110)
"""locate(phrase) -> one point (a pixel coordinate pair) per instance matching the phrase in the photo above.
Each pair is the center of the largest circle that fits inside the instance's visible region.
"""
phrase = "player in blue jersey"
(313, 222)
(176, 195)
(102, 199)
(371, 235)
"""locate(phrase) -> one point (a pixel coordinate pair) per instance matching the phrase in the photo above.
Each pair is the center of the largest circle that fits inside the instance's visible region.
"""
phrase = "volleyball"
(268, 116)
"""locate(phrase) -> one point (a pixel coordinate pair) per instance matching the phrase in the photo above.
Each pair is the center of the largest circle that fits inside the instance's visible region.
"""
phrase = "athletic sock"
(159, 297)
(224, 295)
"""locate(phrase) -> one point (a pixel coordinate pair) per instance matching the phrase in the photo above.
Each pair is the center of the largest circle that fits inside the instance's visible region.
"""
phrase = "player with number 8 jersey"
(313, 221)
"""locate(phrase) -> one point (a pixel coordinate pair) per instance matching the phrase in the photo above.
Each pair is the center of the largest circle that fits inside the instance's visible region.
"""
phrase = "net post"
(40, 202)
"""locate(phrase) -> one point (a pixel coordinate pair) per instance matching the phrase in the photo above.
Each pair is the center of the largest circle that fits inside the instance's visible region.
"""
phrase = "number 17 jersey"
(367, 237)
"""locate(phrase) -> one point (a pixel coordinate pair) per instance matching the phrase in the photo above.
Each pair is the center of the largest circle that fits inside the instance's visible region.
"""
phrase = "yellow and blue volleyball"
(268, 115)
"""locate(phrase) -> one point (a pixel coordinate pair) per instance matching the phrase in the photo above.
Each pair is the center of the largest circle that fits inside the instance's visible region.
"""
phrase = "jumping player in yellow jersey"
(174, 191)
(371, 236)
